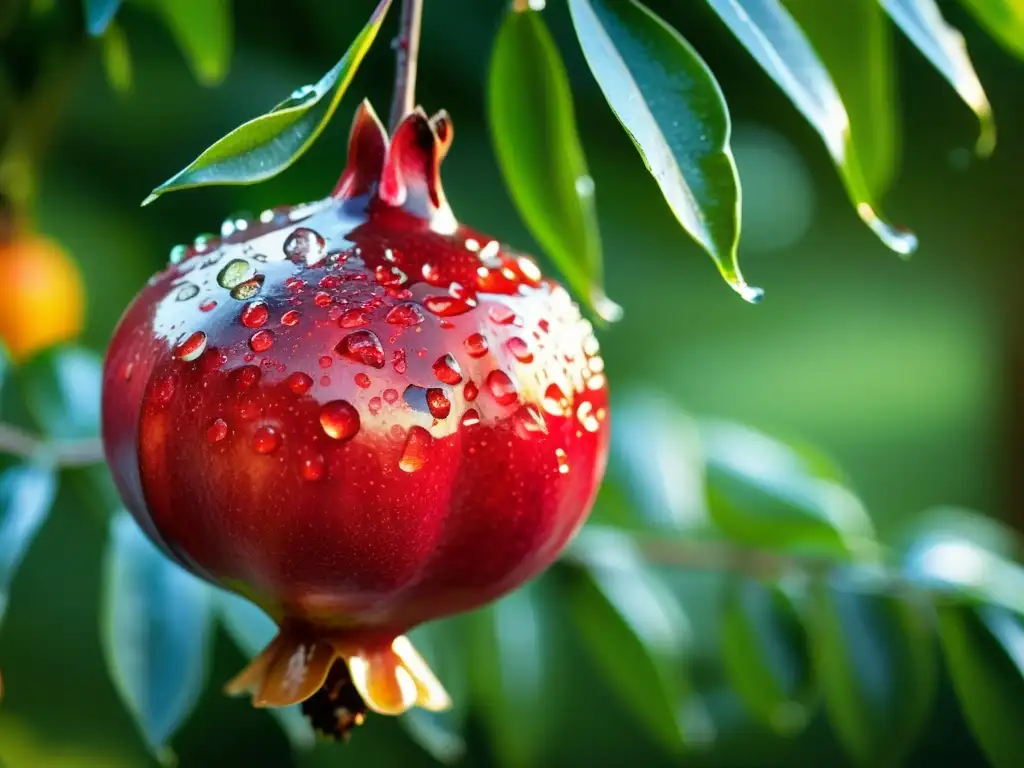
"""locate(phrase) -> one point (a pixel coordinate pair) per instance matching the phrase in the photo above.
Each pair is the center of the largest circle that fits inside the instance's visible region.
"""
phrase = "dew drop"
(304, 246)
(265, 440)
(362, 347)
(323, 299)
(247, 289)
(261, 341)
(416, 451)
(339, 419)
(585, 414)
(469, 418)
(405, 315)
(398, 361)
(326, 361)
(432, 275)
(352, 318)
(217, 431)
(447, 370)
(501, 314)
(234, 273)
(255, 314)
(299, 382)
(391, 395)
(902, 241)
(563, 461)
(207, 305)
(290, 318)
(519, 349)
(177, 254)
(325, 381)
(470, 391)
(375, 405)
(476, 345)
(362, 381)
(191, 348)
(555, 401)
(438, 403)
(445, 306)
(501, 387)
(186, 292)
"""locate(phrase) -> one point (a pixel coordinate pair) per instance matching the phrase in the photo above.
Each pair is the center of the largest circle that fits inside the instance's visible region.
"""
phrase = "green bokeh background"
(900, 371)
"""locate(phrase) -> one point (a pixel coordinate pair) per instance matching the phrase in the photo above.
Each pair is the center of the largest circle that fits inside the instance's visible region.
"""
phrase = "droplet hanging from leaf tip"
(898, 239)
(750, 293)
(605, 308)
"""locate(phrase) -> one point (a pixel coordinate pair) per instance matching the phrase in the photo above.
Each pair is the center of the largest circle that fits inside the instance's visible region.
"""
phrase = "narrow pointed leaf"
(117, 59)
(267, 145)
(875, 661)
(636, 633)
(203, 30)
(508, 670)
(766, 656)
(776, 41)
(984, 651)
(443, 646)
(251, 630)
(156, 633)
(670, 104)
(765, 494)
(99, 14)
(1004, 20)
(944, 47)
(26, 497)
(61, 387)
(533, 128)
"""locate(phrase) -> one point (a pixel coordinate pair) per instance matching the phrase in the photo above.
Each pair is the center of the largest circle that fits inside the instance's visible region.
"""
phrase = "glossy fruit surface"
(43, 295)
(358, 413)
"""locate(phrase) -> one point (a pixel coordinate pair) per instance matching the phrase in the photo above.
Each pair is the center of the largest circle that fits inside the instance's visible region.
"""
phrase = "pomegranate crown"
(402, 171)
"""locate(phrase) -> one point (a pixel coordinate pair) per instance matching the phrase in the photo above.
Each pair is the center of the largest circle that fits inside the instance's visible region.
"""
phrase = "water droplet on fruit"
(217, 431)
(352, 318)
(191, 348)
(304, 246)
(322, 299)
(501, 314)
(362, 381)
(207, 305)
(326, 361)
(432, 275)
(265, 440)
(339, 420)
(563, 461)
(390, 395)
(204, 242)
(299, 382)
(247, 289)
(529, 423)
(445, 306)
(163, 390)
(405, 315)
(255, 314)
(555, 401)
(311, 465)
(447, 370)
(585, 414)
(476, 345)
(470, 391)
(186, 292)
(177, 254)
(291, 317)
(530, 270)
(398, 361)
(519, 349)
(469, 418)
(416, 451)
(362, 347)
(438, 403)
(234, 273)
(261, 341)
(389, 277)
(501, 387)
(375, 405)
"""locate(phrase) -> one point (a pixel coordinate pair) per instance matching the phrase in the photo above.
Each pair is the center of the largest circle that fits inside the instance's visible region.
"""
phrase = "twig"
(64, 453)
(407, 50)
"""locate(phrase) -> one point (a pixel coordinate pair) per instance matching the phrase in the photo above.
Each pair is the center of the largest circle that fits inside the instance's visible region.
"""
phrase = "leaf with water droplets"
(156, 632)
(61, 389)
(251, 630)
(267, 145)
(672, 107)
(634, 629)
(1004, 20)
(533, 128)
(875, 662)
(203, 31)
(984, 651)
(853, 67)
(922, 22)
(99, 14)
(27, 492)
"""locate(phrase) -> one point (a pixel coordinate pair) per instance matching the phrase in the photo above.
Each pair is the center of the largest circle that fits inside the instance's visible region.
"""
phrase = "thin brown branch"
(65, 453)
(407, 50)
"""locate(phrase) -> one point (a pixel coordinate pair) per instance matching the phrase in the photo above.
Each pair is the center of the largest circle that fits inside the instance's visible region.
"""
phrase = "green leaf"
(859, 135)
(637, 634)
(874, 658)
(61, 388)
(508, 670)
(99, 14)
(765, 654)
(670, 104)
(27, 492)
(156, 633)
(984, 650)
(203, 31)
(944, 47)
(267, 145)
(765, 494)
(442, 645)
(252, 630)
(533, 127)
(1004, 20)
(117, 59)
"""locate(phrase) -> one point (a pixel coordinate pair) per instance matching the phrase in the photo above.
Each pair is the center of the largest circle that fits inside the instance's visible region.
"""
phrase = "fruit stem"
(64, 453)
(407, 50)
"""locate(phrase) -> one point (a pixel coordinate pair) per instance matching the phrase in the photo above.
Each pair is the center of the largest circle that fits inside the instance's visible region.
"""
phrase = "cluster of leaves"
(812, 611)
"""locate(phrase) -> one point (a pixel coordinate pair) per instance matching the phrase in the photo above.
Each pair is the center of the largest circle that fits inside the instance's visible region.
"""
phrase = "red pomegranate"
(360, 415)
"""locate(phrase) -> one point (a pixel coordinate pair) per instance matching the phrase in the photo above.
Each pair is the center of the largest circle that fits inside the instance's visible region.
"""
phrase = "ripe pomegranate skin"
(359, 414)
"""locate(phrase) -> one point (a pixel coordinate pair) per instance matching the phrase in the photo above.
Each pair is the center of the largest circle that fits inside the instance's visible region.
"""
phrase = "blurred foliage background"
(905, 372)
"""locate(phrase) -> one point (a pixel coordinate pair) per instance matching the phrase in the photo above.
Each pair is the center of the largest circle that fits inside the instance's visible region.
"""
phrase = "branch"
(63, 453)
(407, 50)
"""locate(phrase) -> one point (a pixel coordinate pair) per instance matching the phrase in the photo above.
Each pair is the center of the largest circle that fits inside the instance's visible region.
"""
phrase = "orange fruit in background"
(41, 295)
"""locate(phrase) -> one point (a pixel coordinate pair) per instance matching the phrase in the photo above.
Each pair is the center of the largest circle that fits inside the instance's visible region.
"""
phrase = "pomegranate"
(360, 415)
